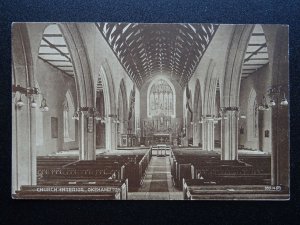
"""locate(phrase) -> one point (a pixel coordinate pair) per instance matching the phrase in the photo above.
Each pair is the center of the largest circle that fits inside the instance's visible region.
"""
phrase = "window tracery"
(161, 99)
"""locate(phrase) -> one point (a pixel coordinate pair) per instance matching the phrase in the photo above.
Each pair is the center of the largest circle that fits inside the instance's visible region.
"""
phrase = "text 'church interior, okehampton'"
(136, 111)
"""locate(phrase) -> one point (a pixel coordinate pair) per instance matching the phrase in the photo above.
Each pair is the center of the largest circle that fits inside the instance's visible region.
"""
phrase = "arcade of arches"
(86, 91)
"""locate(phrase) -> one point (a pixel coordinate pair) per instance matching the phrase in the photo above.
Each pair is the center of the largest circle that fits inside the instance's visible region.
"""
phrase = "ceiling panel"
(257, 52)
(53, 50)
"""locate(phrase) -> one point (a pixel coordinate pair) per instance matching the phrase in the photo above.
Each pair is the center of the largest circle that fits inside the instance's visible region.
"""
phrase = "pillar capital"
(208, 118)
(230, 109)
(230, 112)
(87, 111)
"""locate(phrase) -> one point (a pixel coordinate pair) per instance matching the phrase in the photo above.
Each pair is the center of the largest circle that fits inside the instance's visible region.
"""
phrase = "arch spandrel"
(234, 62)
(109, 88)
(84, 79)
(123, 92)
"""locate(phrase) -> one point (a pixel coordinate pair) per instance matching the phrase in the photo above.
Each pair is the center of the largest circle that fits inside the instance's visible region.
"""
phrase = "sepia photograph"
(150, 111)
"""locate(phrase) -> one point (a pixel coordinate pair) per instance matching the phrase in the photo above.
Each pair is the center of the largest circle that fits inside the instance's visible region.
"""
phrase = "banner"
(132, 101)
(189, 100)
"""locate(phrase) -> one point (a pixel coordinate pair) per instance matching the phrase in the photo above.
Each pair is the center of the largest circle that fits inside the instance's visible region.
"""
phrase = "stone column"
(229, 133)
(280, 145)
(23, 119)
(111, 134)
(208, 133)
(87, 138)
(189, 132)
(196, 133)
(23, 146)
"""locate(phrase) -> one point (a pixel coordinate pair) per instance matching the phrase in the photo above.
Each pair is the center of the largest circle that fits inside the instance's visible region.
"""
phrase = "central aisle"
(157, 184)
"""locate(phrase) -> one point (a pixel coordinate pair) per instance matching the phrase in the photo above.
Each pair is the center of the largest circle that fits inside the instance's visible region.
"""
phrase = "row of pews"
(110, 176)
(203, 175)
(205, 190)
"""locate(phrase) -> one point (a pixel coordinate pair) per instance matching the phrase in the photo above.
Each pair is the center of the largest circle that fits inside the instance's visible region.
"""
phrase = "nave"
(136, 111)
(157, 183)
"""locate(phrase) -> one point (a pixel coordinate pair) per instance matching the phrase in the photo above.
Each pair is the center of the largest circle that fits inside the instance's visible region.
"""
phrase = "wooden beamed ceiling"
(54, 51)
(145, 50)
(257, 53)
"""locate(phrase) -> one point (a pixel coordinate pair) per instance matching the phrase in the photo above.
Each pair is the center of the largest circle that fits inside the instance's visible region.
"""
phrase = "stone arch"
(122, 113)
(233, 64)
(108, 89)
(132, 123)
(197, 134)
(188, 117)
(80, 60)
(231, 88)
(209, 92)
(197, 102)
(110, 107)
(84, 85)
(23, 120)
(209, 107)
(123, 93)
(277, 44)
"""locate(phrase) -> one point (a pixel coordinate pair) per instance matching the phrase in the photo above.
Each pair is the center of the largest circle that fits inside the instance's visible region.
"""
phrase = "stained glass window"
(161, 99)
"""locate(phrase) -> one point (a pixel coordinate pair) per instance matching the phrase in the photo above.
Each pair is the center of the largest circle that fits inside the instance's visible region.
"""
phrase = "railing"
(161, 150)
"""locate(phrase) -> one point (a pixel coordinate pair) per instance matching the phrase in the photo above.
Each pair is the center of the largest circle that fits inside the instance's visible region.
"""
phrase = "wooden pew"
(136, 169)
(122, 185)
(212, 168)
(77, 189)
(130, 167)
(201, 190)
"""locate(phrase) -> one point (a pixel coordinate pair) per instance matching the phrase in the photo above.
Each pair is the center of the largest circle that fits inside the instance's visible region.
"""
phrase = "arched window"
(69, 123)
(161, 98)
(252, 116)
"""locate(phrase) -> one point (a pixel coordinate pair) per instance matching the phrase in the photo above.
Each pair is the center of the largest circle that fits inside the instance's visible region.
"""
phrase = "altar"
(160, 129)
(162, 139)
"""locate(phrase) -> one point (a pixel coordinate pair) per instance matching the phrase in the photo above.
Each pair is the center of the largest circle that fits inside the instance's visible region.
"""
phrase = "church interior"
(133, 111)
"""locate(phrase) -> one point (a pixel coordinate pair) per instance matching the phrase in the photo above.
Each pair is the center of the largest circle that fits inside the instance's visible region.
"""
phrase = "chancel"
(134, 111)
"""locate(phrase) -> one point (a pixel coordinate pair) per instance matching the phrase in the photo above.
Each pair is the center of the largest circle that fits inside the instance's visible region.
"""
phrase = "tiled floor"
(157, 184)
